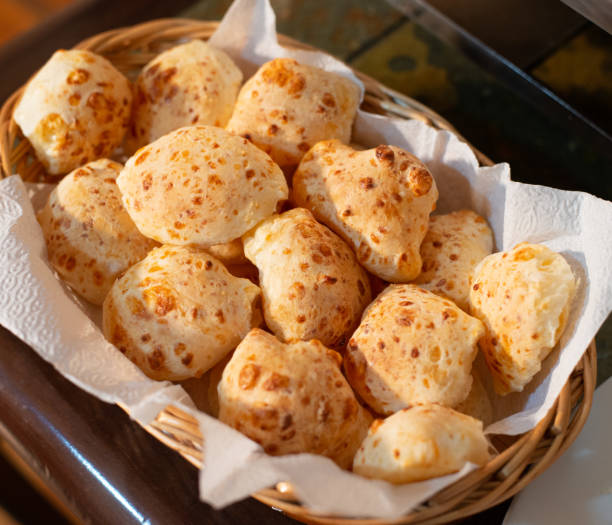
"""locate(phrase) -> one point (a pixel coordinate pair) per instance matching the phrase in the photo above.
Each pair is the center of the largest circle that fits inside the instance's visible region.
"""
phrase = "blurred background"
(527, 82)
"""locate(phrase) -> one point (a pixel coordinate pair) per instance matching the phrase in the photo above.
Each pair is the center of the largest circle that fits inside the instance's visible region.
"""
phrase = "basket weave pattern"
(520, 459)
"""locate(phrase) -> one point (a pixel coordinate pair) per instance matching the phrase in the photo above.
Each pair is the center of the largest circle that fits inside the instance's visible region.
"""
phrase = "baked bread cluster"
(523, 296)
(412, 347)
(285, 108)
(292, 398)
(178, 312)
(74, 110)
(299, 287)
(190, 84)
(91, 239)
(419, 443)
(455, 243)
(312, 285)
(200, 185)
(378, 200)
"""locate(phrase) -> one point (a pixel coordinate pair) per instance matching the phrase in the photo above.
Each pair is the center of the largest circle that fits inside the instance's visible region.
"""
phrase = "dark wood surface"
(100, 463)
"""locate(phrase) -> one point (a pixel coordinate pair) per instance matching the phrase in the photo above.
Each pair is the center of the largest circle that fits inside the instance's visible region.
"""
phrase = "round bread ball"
(292, 398)
(74, 110)
(90, 238)
(523, 297)
(178, 312)
(193, 83)
(200, 185)
(312, 285)
(420, 443)
(454, 245)
(378, 200)
(287, 107)
(412, 347)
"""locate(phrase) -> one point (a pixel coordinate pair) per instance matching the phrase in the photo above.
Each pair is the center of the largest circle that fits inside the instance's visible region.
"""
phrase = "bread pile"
(245, 242)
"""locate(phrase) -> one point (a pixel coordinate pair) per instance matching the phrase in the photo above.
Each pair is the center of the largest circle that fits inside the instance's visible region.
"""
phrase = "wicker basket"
(520, 458)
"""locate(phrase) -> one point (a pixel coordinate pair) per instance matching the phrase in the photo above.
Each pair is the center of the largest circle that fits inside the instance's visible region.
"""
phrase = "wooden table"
(102, 467)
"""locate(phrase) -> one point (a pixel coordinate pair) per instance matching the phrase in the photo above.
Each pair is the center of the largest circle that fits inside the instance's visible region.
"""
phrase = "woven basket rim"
(518, 464)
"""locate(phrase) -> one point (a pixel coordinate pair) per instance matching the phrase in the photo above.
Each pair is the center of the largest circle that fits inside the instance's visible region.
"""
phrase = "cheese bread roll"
(454, 245)
(378, 200)
(523, 297)
(412, 347)
(419, 443)
(312, 285)
(292, 398)
(74, 110)
(287, 107)
(90, 238)
(178, 312)
(193, 83)
(200, 185)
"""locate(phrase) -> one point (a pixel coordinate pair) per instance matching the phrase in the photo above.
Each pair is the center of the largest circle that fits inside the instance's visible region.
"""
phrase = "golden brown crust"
(200, 185)
(192, 83)
(477, 404)
(90, 238)
(203, 390)
(420, 443)
(412, 347)
(312, 285)
(454, 245)
(178, 312)
(229, 253)
(74, 110)
(287, 107)
(523, 297)
(292, 398)
(378, 200)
